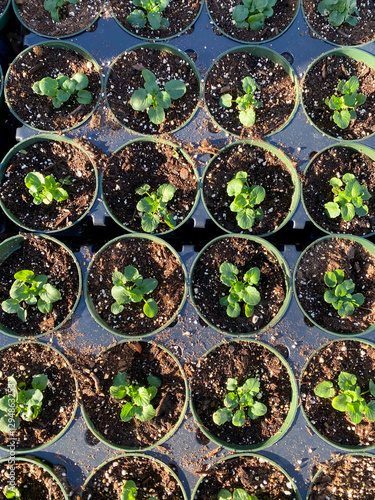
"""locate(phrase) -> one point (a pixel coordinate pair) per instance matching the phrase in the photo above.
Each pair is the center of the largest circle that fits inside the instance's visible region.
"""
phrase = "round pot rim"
(187, 158)
(283, 267)
(46, 138)
(288, 419)
(287, 164)
(4, 17)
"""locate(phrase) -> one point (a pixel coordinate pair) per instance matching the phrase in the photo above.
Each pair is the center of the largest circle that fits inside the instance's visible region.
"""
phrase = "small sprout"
(22, 403)
(340, 293)
(154, 206)
(124, 293)
(348, 202)
(46, 189)
(139, 405)
(344, 105)
(253, 13)
(246, 104)
(12, 492)
(238, 494)
(246, 197)
(54, 6)
(30, 290)
(339, 11)
(350, 398)
(155, 100)
(63, 87)
(242, 397)
(151, 12)
(239, 291)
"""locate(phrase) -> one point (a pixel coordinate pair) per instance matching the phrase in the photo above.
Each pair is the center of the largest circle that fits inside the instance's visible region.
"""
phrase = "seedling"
(339, 11)
(63, 87)
(54, 6)
(340, 293)
(239, 291)
(246, 104)
(124, 293)
(46, 189)
(344, 105)
(151, 12)
(154, 206)
(30, 290)
(12, 492)
(240, 397)
(350, 201)
(22, 404)
(245, 199)
(253, 13)
(349, 398)
(154, 100)
(238, 494)
(139, 405)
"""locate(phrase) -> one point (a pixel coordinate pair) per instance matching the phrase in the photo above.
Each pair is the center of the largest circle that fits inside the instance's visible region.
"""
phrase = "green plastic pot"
(29, 142)
(172, 431)
(282, 157)
(12, 244)
(186, 157)
(4, 18)
(59, 435)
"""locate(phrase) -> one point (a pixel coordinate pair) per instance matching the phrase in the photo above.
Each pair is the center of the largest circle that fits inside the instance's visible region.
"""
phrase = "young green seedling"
(240, 397)
(124, 292)
(340, 293)
(54, 6)
(46, 189)
(348, 202)
(239, 291)
(154, 100)
(253, 13)
(21, 404)
(246, 104)
(151, 11)
(63, 87)
(139, 405)
(154, 206)
(238, 494)
(12, 492)
(30, 290)
(349, 398)
(245, 199)
(344, 105)
(339, 11)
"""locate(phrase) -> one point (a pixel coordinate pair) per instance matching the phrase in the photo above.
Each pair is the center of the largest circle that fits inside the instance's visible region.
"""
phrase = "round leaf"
(156, 115)
(222, 415)
(175, 88)
(325, 389)
(150, 308)
(238, 418)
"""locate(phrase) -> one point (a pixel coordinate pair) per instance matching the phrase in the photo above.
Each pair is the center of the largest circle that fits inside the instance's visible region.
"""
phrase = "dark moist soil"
(23, 361)
(32, 481)
(208, 289)
(358, 265)
(263, 169)
(349, 478)
(42, 257)
(335, 162)
(321, 82)
(150, 477)
(277, 93)
(180, 14)
(221, 13)
(3, 4)
(152, 260)
(241, 360)
(37, 110)
(137, 360)
(348, 356)
(73, 18)
(60, 160)
(255, 475)
(126, 76)
(148, 163)
(363, 32)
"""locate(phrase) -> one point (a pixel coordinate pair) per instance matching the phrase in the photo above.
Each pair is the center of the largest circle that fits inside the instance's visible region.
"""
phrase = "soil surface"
(60, 160)
(37, 110)
(126, 76)
(23, 361)
(363, 32)
(335, 162)
(3, 4)
(148, 163)
(208, 289)
(41, 256)
(358, 265)
(264, 169)
(152, 260)
(321, 82)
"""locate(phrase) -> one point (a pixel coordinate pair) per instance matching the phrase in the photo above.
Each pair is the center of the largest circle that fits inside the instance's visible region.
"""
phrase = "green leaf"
(84, 97)
(145, 413)
(325, 389)
(148, 76)
(330, 279)
(347, 381)
(251, 296)
(141, 397)
(150, 308)
(127, 412)
(154, 18)
(249, 310)
(148, 285)
(245, 218)
(342, 118)
(224, 495)
(50, 294)
(234, 187)
(40, 381)
(129, 490)
(175, 88)
(240, 13)
(150, 222)
(143, 189)
(140, 100)
(257, 410)
(137, 18)
(370, 411)
(222, 415)
(163, 100)
(346, 309)
(247, 117)
(166, 192)
(347, 211)
(372, 387)
(44, 306)
(240, 494)
(238, 418)
(251, 385)
(232, 384)
(131, 273)
(249, 85)
(332, 209)
(116, 308)
(228, 269)
(154, 381)
(156, 115)
(231, 400)
(341, 402)
(48, 86)
(252, 276)
(233, 311)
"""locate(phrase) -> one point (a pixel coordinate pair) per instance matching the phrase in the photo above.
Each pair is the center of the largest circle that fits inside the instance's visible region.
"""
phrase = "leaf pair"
(63, 87)
(246, 104)
(246, 197)
(339, 11)
(54, 6)
(151, 12)
(46, 189)
(350, 201)
(238, 494)
(154, 206)
(344, 105)
(129, 491)
(340, 293)
(253, 13)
